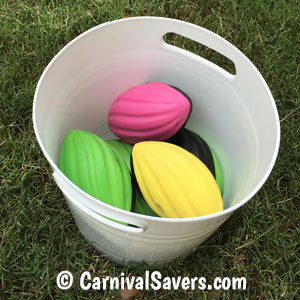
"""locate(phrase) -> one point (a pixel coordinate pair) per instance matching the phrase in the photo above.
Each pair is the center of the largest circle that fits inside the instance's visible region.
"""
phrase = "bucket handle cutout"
(208, 39)
(187, 44)
(91, 210)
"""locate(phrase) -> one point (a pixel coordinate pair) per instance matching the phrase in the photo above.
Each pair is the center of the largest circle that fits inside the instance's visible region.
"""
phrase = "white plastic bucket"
(236, 115)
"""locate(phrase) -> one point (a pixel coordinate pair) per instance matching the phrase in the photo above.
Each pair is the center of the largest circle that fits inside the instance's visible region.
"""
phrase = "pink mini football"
(153, 111)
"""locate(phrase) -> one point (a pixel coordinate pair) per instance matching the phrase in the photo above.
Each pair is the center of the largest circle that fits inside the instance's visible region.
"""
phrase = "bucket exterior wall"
(123, 248)
(235, 114)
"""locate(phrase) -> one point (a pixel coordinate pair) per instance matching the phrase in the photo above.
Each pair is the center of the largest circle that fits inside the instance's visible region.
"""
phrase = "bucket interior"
(82, 82)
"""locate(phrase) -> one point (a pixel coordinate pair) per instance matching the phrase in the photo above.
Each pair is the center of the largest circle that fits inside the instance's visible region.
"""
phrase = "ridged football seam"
(87, 144)
(187, 174)
(128, 153)
(112, 177)
(97, 163)
(121, 152)
(109, 170)
(214, 188)
(160, 115)
(81, 156)
(153, 134)
(126, 178)
(126, 181)
(112, 166)
(92, 160)
(166, 135)
(125, 152)
(162, 100)
(115, 145)
(75, 148)
(151, 92)
(137, 173)
(193, 205)
(146, 126)
(206, 178)
(176, 181)
(127, 149)
(106, 170)
(152, 203)
(146, 193)
(209, 182)
(173, 210)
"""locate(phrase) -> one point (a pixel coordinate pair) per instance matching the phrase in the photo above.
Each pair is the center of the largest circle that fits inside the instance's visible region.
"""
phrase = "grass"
(39, 237)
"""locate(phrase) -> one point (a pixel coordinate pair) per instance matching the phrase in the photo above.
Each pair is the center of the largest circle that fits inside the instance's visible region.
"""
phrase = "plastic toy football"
(90, 163)
(142, 207)
(152, 111)
(124, 150)
(174, 182)
(193, 143)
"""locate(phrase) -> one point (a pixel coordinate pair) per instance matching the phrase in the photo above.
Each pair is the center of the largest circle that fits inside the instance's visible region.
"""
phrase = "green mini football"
(141, 206)
(124, 150)
(218, 172)
(92, 164)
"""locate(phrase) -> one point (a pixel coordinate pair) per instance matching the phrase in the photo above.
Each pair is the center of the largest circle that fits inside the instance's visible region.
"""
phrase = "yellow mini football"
(174, 182)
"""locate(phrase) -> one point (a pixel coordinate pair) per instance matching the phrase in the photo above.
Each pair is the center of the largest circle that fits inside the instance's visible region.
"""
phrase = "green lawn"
(39, 237)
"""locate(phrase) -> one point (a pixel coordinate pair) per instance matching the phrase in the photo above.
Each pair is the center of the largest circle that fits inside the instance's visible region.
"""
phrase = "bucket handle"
(208, 39)
(91, 210)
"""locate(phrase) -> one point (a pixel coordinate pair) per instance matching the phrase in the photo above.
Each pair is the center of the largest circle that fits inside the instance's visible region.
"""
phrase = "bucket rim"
(224, 212)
